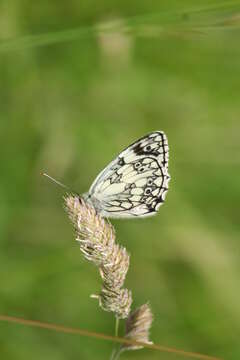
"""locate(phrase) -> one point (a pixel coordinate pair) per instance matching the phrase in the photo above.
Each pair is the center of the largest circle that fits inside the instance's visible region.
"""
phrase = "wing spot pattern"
(136, 182)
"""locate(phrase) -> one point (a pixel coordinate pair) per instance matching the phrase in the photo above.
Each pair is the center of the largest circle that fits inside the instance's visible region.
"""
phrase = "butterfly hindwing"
(136, 182)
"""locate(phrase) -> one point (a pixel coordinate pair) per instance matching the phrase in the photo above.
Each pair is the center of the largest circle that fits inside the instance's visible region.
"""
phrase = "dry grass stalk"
(97, 243)
(96, 237)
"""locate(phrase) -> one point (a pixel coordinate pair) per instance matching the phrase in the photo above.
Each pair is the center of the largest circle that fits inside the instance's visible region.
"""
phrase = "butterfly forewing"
(136, 182)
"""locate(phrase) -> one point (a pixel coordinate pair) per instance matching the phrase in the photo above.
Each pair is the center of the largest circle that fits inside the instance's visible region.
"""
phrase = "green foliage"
(79, 82)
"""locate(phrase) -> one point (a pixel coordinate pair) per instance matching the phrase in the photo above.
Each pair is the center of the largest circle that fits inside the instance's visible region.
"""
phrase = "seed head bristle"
(118, 301)
(138, 325)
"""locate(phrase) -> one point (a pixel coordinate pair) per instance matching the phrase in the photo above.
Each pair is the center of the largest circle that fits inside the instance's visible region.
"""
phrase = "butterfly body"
(136, 182)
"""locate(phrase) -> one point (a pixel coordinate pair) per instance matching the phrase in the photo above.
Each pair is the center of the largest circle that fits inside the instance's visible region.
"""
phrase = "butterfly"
(135, 183)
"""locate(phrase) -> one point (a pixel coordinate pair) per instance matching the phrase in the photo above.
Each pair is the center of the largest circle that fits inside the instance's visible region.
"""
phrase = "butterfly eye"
(137, 165)
(147, 148)
(147, 191)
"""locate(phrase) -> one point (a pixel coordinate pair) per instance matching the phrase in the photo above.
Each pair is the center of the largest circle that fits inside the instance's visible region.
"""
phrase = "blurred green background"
(71, 101)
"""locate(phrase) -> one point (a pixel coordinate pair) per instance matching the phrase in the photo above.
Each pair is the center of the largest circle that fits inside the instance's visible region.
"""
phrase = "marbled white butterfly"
(136, 182)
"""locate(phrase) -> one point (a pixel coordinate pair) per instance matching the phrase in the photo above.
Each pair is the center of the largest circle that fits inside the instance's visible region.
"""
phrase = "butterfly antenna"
(54, 180)
(60, 184)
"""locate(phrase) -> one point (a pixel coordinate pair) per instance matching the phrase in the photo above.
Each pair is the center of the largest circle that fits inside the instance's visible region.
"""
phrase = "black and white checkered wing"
(136, 182)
